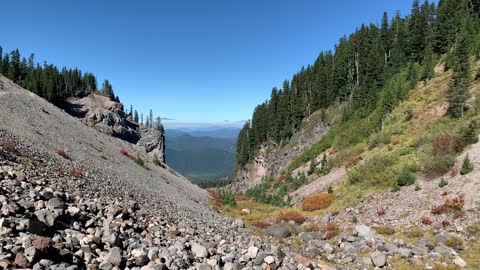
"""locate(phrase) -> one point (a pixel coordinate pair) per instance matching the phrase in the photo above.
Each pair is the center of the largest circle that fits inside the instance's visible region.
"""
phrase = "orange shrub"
(262, 224)
(317, 201)
(447, 144)
(291, 215)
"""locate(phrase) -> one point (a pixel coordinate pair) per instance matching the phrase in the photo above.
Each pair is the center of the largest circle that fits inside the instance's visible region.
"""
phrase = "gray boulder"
(278, 231)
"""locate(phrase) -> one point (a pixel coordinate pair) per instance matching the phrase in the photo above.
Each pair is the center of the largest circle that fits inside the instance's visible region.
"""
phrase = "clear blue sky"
(191, 60)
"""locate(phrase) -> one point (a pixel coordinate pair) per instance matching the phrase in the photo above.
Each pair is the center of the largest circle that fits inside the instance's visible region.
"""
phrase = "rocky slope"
(72, 198)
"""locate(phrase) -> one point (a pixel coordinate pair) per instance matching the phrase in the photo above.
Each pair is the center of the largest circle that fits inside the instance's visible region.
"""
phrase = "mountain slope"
(32, 119)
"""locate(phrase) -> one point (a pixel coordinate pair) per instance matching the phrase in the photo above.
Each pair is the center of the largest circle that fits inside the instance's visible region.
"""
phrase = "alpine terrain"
(367, 158)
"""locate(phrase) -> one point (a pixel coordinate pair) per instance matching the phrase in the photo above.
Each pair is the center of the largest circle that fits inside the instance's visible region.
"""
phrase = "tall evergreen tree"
(458, 90)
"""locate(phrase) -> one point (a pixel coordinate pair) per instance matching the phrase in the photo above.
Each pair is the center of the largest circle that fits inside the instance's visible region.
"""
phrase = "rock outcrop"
(108, 116)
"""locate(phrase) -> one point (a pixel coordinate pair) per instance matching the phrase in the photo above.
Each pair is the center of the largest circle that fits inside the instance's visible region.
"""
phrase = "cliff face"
(271, 158)
(107, 116)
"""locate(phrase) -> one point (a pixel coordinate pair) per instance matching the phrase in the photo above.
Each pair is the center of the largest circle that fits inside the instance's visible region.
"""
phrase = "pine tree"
(150, 116)
(428, 65)
(135, 116)
(458, 90)
(107, 90)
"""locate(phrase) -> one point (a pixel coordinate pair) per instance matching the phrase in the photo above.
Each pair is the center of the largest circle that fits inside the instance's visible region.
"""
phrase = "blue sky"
(193, 61)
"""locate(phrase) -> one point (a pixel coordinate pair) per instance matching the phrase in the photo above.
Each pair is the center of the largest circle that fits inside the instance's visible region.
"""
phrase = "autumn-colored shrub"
(127, 154)
(76, 172)
(455, 203)
(426, 221)
(317, 201)
(62, 153)
(334, 213)
(291, 215)
(312, 227)
(280, 178)
(440, 209)
(262, 224)
(380, 212)
(445, 193)
(330, 230)
(447, 144)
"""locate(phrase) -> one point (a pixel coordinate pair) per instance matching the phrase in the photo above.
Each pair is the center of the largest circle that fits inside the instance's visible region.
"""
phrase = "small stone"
(364, 232)
(42, 243)
(460, 262)
(245, 212)
(21, 260)
(325, 218)
(379, 259)
(46, 217)
(405, 252)
(269, 259)
(55, 203)
(114, 256)
(252, 252)
(198, 250)
(32, 255)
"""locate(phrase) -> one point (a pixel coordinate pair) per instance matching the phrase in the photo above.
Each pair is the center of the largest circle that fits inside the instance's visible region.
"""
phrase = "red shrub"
(76, 172)
(292, 215)
(127, 154)
(380, 212)
(280, 178)
(334, 213)
(445, 193)
(458, 214)
(447, 144)
(426, 221)
(262, 224)
(62, 153)
(439, 209)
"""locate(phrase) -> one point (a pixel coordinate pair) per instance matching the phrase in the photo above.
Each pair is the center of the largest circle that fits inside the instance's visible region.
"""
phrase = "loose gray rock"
(278, 231)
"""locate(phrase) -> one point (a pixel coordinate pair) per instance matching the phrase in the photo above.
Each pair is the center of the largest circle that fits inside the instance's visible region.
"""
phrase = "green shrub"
(469, 134)
(443, 183)
(378, 139)
(395, 188)
(467, 166)
(417, 187)
(330, 190)
(354, 219)
(228, 197)
(406, 178)
(477, 74)
(140, 161)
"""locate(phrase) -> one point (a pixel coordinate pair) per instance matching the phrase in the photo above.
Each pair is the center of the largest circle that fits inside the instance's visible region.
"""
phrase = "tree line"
(363, 63)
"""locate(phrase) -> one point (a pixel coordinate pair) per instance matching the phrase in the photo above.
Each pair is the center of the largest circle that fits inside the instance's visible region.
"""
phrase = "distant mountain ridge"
(202, 154)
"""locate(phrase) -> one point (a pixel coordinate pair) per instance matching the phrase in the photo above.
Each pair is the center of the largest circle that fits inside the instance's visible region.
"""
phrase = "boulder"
(379, 259)
(363, 231)
(278, 231)
(198, 250)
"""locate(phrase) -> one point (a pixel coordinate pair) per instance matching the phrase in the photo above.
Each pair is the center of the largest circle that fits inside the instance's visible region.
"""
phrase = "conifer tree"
(458, 90)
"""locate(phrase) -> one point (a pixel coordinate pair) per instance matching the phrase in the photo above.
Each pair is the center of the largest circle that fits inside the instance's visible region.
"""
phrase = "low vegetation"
(467, 166)
(294, 216)
(317, 201)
